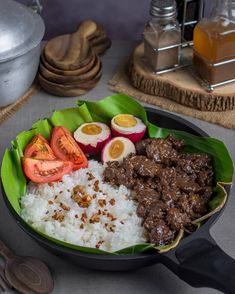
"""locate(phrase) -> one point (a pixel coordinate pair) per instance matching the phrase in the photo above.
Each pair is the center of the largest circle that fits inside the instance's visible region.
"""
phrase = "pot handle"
(36, 6)
(202, 263)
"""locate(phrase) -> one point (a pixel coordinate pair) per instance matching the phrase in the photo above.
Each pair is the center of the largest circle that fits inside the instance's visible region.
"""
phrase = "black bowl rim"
(66, 250)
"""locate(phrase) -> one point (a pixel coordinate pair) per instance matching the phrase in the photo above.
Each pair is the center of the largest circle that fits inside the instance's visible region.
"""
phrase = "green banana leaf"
(14, 181)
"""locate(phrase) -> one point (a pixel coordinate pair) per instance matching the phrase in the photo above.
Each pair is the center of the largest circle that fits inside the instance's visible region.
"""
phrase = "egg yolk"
(91, 129)
(125, 121)
(116, 149)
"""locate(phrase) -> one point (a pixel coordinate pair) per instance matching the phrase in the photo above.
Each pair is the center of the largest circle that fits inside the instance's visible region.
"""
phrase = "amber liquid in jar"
(214, 42)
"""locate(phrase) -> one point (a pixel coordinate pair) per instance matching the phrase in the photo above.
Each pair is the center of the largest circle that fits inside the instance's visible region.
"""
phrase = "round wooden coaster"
(62, 79)
(69, 89)
(179, 85)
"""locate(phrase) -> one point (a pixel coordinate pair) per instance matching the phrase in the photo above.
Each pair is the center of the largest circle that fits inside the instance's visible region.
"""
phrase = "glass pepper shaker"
(162, 36)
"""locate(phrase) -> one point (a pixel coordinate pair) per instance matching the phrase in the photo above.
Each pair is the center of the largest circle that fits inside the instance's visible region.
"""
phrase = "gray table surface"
(71, 278)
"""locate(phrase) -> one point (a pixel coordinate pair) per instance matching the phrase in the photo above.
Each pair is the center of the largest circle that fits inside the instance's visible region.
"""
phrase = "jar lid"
(163, 8)
(21, 29)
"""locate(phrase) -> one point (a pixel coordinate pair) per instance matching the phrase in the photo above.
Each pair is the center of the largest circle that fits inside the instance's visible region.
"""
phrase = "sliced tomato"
(39, 148)
(39, 139)
(45, 171)
(65, 147)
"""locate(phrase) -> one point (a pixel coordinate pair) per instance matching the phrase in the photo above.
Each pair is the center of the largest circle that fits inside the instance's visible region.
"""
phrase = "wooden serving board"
(180, 86)
(67, 52)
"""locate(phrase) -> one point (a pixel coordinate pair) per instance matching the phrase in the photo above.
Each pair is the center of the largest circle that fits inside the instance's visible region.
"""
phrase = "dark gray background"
(123, 19)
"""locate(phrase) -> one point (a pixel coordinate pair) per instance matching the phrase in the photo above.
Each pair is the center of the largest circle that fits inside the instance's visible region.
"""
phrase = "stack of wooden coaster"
(70, 65)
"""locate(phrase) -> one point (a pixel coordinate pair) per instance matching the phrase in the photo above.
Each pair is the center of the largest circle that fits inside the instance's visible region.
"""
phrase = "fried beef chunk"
(141, 146)
(177, 220)
(142, 166)
(161, 234)
(115, 174)
(176, 144)
(161, 151)
(172, 188)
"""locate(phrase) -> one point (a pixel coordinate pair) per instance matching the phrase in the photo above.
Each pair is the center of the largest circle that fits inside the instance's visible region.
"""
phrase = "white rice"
(122, 229)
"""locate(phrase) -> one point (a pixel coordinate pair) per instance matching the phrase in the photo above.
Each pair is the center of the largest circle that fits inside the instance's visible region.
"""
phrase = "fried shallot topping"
(102, 202)
(64, 207)
(81, 197)
(59, 216)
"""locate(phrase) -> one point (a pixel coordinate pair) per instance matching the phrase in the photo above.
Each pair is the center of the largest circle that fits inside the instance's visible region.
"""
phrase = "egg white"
(138, 128)
(92, 140)
(129, 147)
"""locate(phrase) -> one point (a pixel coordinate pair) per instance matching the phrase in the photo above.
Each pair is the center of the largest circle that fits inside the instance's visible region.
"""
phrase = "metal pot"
(21, 32)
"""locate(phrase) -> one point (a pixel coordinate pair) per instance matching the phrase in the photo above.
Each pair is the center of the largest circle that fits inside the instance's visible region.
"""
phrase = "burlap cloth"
(120, 83)
(7, 111)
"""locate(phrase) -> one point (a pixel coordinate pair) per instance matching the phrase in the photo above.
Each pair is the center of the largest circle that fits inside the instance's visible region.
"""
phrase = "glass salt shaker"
(162, 36)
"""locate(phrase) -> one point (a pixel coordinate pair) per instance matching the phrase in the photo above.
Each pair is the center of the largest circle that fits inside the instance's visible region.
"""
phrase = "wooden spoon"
(26, 274)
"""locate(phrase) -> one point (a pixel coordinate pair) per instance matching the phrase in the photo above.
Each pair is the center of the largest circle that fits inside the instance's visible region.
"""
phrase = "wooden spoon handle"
(77, 49)
(87, 29)
(6, 252)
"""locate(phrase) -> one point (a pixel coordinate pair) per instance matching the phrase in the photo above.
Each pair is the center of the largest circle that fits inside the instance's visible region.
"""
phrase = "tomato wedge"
(39, 138)
(39, 148)
(65, 147)
(45, 171)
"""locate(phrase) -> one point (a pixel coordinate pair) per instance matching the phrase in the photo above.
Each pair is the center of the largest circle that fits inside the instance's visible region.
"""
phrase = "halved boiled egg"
(129, 126)
(117, 148)
(92, 137)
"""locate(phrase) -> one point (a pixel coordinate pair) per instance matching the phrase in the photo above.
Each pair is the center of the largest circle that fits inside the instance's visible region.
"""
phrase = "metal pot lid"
(21, 29)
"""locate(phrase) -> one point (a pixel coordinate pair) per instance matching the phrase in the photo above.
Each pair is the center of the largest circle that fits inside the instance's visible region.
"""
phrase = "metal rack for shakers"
(211, 87)
(185, 60)
(193, 22)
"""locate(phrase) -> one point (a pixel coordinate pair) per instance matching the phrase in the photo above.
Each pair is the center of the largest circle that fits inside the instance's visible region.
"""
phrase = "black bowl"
(187, 260)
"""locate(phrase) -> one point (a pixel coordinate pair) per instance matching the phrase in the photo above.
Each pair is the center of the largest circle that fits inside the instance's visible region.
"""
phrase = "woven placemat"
(120, 83)
(7, 111)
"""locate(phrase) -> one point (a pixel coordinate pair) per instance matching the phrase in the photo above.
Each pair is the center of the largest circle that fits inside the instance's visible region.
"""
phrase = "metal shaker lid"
(163, 8)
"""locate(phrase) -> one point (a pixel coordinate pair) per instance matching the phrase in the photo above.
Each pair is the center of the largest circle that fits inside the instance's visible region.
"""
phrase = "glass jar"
(162, 36)
(214, 44)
